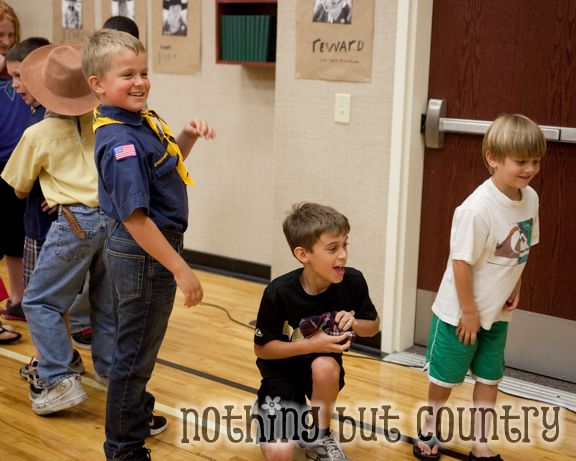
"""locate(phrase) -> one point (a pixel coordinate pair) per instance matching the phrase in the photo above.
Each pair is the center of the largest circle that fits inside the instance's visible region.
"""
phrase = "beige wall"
(277, 144)
(345, 166)
(231, 207)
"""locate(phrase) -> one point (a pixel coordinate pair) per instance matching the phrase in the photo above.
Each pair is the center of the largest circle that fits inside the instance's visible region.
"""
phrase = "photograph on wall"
(333, 11)
(133, 9)
(71, 14)
(73, 20)
(176, 36)
(174, 17)
(334, 40)
(123, 8)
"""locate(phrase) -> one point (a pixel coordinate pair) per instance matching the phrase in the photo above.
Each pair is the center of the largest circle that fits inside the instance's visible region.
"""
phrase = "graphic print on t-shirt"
(515, 246)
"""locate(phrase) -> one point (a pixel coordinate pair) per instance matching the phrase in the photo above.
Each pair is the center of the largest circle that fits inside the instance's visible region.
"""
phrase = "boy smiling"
(292, 366)
(142, 187)
(491, 236)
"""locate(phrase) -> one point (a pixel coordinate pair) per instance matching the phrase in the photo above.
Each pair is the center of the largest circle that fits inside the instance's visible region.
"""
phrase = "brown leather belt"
(74, 224)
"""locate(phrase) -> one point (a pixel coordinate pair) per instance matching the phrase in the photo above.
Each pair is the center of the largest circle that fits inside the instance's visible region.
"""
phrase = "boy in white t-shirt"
(492, 232)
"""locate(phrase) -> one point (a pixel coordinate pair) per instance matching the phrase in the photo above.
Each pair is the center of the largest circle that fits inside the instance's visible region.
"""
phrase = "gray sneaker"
(30, 370)
(326, 449)
(67, 393)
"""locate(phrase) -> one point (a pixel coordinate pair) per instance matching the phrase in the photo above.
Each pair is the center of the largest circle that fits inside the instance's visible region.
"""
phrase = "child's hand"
(514, 299)
(468, 328)
(197, 128)
(190, 287)
(346, 320)
(512, 302)
(323, 343)
(48, 209)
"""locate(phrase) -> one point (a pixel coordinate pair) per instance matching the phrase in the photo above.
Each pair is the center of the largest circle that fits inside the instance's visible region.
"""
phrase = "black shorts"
(12, 228)
(281, 411)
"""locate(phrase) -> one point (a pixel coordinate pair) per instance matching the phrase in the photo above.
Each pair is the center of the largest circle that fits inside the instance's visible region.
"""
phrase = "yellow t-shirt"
(53, 151)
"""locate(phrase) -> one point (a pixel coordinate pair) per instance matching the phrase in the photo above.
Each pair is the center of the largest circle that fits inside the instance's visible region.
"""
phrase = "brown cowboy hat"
(53, 75)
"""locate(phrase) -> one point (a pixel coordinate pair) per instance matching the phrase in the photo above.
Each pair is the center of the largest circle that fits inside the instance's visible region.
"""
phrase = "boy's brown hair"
(308, 221)
(513, 135)
(21, 50)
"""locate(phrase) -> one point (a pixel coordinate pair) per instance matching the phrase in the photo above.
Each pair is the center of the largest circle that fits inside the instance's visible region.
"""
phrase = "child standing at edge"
(38, 216)
(14, 115)
(492, 232)
(142, 187)
(59, 151)
(293, 367)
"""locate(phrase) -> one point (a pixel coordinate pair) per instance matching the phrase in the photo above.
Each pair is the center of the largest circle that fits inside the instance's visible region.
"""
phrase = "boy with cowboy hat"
(59, 151)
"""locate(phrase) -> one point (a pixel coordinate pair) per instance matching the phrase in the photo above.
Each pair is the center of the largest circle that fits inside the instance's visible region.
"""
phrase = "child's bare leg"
(325, 388)
(15, 278)
(278, 451)
(484, 398)
(437, 397)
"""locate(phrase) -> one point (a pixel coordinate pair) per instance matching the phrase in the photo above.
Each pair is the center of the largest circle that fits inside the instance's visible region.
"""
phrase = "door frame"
(412, 59)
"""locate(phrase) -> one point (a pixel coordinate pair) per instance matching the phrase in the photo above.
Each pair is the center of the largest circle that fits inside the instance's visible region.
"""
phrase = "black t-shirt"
(285, 302)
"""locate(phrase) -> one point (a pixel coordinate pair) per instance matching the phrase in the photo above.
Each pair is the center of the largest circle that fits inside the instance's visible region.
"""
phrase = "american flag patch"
(127, 150)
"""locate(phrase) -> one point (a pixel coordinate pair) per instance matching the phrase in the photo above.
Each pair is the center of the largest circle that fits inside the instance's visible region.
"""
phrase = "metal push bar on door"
(437, 124)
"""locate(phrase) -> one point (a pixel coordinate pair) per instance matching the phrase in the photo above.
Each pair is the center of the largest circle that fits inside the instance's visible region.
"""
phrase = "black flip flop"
(11, 340)
(431, 441)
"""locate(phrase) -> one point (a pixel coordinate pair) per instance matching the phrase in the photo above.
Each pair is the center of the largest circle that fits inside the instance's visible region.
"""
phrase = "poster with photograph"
(133, 9)
(122, 8)
(334, 40)
(174, 17)
(176, 36)
(73, 20)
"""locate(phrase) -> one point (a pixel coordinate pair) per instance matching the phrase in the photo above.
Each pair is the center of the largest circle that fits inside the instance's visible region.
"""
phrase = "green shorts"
(448, 360)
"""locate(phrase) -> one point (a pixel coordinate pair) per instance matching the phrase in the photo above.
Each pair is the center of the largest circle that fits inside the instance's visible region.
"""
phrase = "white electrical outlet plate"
(342, 108)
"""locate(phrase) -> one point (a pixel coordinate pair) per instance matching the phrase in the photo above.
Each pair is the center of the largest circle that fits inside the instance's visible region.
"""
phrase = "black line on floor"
(359, 424)
(209, 376)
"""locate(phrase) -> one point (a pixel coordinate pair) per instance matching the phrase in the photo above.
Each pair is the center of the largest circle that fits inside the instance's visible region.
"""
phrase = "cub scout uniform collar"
(163, 132)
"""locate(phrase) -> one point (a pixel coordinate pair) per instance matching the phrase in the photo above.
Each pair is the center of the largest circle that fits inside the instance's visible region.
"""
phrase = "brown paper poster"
(176, 36)
(334, 40)
(133, 9)
(73, 20)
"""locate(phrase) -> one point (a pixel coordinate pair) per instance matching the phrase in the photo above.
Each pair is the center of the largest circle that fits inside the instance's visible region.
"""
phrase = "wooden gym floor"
(207, 364)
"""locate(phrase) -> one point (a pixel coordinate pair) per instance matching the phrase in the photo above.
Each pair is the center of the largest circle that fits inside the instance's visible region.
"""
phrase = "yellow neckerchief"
(163, 132)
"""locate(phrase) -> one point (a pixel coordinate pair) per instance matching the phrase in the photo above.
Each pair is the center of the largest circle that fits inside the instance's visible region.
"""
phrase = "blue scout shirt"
(134, 172)
(14, 115)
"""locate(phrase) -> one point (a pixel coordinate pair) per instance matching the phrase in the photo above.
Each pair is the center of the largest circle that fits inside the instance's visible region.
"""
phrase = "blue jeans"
(55, 283)
(80, 312)
(145, 293)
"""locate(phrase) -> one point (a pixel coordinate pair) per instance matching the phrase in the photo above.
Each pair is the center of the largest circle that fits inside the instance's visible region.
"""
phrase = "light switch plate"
(342, 108)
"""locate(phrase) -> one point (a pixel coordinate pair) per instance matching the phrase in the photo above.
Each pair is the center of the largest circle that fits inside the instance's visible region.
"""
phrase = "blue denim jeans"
(57, 279)
(80, 314)
(145, 293)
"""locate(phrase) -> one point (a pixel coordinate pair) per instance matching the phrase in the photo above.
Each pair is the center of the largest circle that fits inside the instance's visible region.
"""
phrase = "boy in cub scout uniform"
(142, 187)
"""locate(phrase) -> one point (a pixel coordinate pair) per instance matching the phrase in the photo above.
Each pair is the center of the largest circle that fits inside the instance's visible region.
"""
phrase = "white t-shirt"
(493, 234)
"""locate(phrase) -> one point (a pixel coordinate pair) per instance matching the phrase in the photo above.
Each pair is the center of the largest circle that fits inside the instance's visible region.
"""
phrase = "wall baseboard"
(245, 270)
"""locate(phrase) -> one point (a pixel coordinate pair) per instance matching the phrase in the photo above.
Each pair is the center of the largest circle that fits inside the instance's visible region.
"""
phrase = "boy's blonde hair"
(513, 135)
(101, 45)
(308, 221)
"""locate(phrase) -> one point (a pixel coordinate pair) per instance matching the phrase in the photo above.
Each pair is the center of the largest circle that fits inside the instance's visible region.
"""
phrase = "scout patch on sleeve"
(126, 150)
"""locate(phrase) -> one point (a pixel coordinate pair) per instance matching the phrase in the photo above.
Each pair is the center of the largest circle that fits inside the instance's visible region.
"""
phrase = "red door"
(514, 56)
